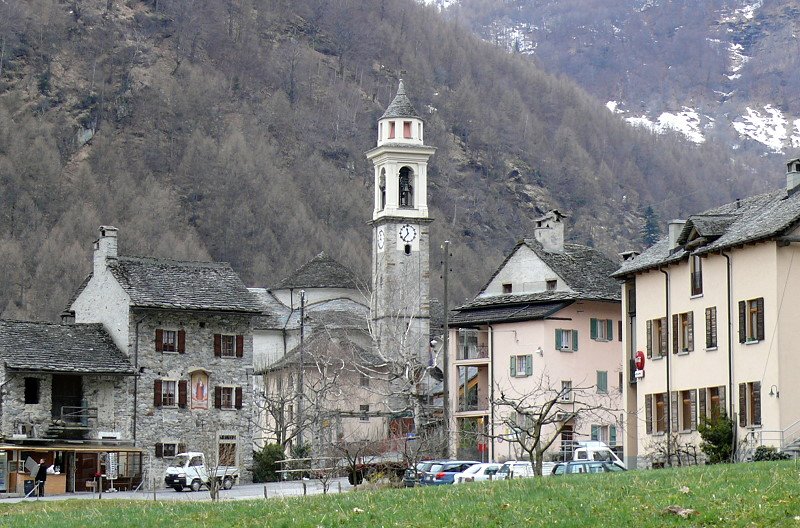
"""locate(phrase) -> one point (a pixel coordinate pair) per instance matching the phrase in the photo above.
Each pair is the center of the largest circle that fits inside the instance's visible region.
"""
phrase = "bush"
(265, 463)
(717, 435)
(764, 453)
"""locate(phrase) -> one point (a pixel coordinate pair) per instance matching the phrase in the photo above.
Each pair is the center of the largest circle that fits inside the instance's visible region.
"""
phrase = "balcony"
(472, 351)
(472, 403)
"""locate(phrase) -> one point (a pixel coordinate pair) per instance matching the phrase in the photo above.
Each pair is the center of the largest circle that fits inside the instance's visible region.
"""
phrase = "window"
(227, 444)
(407, 129)
(521, 366)
(711, 327)
(601, 329)
(228, 346)
(468, 344)
(227, 397)
(655, 413)
(551, 284)
(31, 391)
(406, 188)
(604, 433)
(566, 391)
(364, 380)
(685, 410)
(169, 393)
(169, 449)
(170, 340)
(391, 129)
(683, 332)
(364, 409)
(567, 340)
(711, 402)
(507, 288)
(382, 188)
(750, 404)
(751, 320)
(567, 442)
(602, 381)
(656, 337)
(696, 275)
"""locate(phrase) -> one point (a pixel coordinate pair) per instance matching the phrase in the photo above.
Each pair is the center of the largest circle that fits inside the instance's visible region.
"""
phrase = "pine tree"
(650, 229)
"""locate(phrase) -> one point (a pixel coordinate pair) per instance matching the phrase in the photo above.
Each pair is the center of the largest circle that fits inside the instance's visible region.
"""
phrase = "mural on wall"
(199, 389)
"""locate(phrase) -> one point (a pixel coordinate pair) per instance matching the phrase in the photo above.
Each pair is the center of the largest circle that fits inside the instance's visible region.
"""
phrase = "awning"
(74, 448)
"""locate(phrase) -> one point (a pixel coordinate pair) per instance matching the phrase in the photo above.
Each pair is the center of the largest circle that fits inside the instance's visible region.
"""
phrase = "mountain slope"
(235, 130)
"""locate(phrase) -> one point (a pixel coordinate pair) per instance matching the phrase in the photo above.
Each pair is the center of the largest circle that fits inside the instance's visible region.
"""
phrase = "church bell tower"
(400, 231)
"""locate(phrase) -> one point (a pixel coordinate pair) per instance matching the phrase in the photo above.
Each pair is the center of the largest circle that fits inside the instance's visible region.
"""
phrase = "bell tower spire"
(400, 224)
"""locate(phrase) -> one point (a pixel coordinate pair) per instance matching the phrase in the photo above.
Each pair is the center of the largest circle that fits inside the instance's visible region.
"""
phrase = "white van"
(597, 451)
(515, 469)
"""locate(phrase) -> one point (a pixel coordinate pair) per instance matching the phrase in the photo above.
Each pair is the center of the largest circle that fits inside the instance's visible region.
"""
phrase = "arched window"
(382, 188)
(406, 188)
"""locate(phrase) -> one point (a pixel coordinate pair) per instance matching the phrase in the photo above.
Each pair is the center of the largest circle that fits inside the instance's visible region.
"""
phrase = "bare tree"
(537, 418)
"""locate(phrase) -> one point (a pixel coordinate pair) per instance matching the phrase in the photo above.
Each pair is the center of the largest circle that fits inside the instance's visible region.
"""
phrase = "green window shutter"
(693, 401)
(649, 332)
(612, 435)
(723, 402)
(743, 404)
(674, 411)
(648, 413)
(575, 340)
(558, 338)
(701, 405)
(593, 328)
(595, 432)
(757, 402)
(513, 366)
(690, 332)
(675, 348)
(742, 322)
(529, 365)
(609, 329)
(759, 333)
(602, 381)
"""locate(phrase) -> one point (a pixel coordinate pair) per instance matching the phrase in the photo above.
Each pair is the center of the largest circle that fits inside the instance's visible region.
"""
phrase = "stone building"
(65, 399)
(186, 327)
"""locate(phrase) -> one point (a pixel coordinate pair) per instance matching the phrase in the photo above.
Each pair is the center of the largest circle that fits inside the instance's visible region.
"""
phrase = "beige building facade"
(710, 311)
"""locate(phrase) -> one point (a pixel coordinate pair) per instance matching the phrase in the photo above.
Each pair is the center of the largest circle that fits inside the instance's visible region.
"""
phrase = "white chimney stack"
(675, 227)
(792, 174)
(549, 232)
(105, 247)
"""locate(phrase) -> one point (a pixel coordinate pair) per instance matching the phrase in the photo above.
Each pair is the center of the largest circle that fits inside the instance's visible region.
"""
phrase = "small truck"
(188, 470)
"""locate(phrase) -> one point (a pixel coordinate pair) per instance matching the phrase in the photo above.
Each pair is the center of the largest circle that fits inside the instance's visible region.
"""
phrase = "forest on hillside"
(234, 130)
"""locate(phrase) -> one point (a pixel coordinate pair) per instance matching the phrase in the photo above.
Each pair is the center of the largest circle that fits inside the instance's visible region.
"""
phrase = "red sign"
(639, 360)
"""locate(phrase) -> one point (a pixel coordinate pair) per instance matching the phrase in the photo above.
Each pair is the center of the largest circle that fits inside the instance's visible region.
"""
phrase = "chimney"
(549, 232)
(675, 228)
(629, 255)
(792, 174)
(105, 247)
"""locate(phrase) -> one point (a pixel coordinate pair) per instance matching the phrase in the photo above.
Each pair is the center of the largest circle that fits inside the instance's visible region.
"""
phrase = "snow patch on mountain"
(770, 128)
(687, 122)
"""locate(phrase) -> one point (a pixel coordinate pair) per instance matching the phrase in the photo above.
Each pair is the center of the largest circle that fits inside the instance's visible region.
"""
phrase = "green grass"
(756, 494)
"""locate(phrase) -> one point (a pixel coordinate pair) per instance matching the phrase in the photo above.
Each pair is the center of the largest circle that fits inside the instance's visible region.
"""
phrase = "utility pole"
(301, 373)
(446, 346)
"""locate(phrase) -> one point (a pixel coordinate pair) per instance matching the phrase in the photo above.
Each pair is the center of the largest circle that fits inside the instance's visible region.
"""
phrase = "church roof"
(48, 347)
(320, 272)
(401, 105)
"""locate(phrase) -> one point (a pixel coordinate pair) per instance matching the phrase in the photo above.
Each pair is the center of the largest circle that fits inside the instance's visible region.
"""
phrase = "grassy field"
(756, 494)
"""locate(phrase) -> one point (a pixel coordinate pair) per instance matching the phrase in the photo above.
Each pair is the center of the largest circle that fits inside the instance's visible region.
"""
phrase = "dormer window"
(406, 188)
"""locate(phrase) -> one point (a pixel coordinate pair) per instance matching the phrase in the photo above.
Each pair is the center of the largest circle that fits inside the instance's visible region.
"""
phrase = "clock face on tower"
(381, 238)
(408, 233)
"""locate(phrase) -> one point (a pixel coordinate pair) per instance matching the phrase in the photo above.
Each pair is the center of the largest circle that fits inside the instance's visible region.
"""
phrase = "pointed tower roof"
(320, 272)
(401, 105)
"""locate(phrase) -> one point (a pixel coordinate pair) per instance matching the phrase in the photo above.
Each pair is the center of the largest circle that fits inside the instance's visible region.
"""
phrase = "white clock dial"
(381, 237)
(408, 233)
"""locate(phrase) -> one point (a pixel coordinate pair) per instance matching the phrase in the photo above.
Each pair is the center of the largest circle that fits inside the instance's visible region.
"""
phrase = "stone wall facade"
(192, 429)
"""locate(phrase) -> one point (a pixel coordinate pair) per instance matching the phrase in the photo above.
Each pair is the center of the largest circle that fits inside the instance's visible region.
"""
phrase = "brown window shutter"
(183, 390)
(742, 322)
(701, 405)
(690, 331)
(181, 341)
(743, 404)
(664, 337)
(759, 333)
(648, 413)
(673, 398)
(159, 340)
(181, 448)
(238, 398)
(159, 450)
(157, 393)
(649, 333)
(756, 402)
(239, 346)
(675, 325)
(217, 397)
(217, 345)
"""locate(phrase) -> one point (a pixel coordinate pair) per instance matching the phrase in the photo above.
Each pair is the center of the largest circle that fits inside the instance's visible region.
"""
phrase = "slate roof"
(173, 284)
(400, 106)
(746, 221)
(585, 270)
(325, 345)
(505, 313)
(48, 347)
(320, 272)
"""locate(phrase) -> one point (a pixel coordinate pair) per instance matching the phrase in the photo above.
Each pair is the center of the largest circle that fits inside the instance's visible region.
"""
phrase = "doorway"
(67, 396)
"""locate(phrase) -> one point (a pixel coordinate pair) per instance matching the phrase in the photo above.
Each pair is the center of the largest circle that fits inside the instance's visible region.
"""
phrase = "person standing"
(41, 476)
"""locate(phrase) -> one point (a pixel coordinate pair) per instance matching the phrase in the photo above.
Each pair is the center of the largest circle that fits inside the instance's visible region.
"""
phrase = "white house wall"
(104, 301)
(523, 265)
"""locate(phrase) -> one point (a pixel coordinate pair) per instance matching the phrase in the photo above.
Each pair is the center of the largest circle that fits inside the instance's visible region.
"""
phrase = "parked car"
(413, 476)
(515, 469)
(477, 473)
(443, 472)
(588, 466)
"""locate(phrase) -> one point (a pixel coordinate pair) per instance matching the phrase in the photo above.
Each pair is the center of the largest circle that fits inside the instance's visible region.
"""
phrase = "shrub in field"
(265, 463)
(768, 453)
(717, 435)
